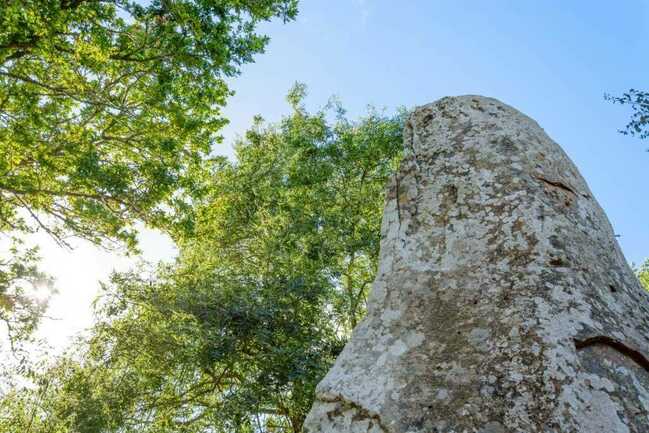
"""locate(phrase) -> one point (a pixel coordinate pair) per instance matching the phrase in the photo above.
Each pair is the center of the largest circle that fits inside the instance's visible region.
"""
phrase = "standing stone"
(502, 303)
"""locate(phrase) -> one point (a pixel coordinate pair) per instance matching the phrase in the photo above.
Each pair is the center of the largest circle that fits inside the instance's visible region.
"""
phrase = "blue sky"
(553, 60)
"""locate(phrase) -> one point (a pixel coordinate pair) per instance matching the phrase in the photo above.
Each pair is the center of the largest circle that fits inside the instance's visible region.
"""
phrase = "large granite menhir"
(502, 302)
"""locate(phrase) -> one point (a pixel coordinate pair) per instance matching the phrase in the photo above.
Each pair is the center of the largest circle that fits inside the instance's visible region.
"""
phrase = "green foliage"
(19, 279)
(235, 335)
(109, 110)
(638, 126)
(643, 274)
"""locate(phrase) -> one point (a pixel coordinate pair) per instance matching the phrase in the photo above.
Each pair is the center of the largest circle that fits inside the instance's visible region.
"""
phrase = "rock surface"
(502, 302)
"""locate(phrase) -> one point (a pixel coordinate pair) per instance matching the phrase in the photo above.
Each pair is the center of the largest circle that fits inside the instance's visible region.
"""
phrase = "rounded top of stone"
(467, 103)
(466, 99)
(457, 116)
(487, 131)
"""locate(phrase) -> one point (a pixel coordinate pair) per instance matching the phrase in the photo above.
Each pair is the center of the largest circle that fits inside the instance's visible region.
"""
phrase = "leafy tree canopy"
(638, 100)
(235, 335)
(108, 111)
(643, 274)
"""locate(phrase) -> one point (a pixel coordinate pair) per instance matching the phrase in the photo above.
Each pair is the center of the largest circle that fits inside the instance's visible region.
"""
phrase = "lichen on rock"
(502, 301)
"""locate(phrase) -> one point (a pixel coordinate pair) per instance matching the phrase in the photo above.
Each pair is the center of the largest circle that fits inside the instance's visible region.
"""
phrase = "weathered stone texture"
(502, 301)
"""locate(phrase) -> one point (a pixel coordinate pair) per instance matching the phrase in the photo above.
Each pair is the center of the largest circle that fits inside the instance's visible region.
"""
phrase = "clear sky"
(551, 59)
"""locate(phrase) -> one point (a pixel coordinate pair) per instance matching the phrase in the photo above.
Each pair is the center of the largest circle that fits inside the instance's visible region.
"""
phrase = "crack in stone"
(602, 340)
(398, 198)
(361, 412)
(557, 184)
(415, 159)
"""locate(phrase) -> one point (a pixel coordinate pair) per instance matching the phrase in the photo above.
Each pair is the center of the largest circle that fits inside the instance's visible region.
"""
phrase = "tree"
(638, 126)
(108, 112)
(19, 276)
(643, 274)
(235, 335)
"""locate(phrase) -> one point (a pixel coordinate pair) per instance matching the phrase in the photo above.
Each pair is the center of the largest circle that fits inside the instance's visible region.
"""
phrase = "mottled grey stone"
(502, 302)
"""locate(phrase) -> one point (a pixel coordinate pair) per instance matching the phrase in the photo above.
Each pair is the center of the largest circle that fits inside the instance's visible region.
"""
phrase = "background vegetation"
(236, 334)
(108, 113)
